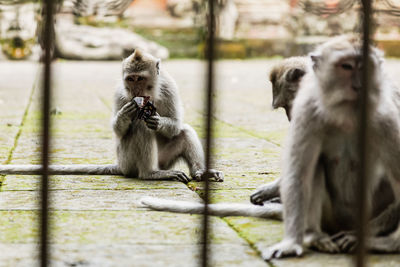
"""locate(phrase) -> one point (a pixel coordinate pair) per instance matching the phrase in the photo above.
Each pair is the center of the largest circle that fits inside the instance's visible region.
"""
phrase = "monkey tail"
(108, 169)
(270, 210)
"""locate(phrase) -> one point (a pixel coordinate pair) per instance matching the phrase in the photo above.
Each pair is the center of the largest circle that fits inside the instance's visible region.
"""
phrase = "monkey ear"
(294, 75)
(158, 66)
(137, 55)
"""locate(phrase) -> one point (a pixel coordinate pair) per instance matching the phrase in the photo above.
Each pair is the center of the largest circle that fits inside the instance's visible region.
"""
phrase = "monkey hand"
(201, 175)
(153, 122)
(262, 194)
(285, 248)
(346, 241)
(129, 111)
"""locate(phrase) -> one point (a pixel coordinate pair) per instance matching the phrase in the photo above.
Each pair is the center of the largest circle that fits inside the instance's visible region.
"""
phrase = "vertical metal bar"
(210, 88)
(362, 215)
(46, 96)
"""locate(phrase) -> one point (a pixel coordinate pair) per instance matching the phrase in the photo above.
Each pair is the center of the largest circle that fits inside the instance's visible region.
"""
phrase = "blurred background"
(110, 29)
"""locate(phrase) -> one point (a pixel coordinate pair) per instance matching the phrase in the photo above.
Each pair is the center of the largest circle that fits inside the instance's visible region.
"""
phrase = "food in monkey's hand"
(146, 107)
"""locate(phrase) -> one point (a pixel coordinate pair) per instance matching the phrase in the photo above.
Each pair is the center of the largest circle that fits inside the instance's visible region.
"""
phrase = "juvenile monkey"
(285, 78)
(145, 148)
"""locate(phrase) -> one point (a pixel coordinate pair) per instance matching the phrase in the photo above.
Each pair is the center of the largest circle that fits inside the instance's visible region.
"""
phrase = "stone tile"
(89, 199)
(14, 97)
(246, 154)
(114, 227)
(142, 255)
(251, 95)
(239, 180)
(89, 182)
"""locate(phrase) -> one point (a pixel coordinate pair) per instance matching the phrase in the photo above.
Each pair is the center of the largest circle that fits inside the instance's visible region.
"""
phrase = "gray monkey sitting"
(145, 148)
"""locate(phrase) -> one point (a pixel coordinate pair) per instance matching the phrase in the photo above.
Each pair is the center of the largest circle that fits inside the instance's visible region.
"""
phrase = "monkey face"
(136, 84)
(140, 74)
(348, 72)
(337, 67)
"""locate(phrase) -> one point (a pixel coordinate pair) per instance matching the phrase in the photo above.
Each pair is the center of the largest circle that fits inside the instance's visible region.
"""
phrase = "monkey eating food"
(146, 107)
(149, 143)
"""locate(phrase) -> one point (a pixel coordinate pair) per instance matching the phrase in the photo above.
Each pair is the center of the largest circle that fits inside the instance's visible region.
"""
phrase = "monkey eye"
(347, 66)
(130, 79)
(140, 78)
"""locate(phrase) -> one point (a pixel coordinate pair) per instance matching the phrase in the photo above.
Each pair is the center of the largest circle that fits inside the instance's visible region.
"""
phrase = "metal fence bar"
(210, 46)
(362, 214)
(46, 96)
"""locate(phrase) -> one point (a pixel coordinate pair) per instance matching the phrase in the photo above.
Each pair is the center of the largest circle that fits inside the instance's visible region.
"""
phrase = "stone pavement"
(97, 220)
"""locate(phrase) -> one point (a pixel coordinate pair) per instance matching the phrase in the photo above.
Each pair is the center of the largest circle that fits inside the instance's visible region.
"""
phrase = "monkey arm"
(122, 120)
(301, 157)
(266, 192)
(387, 132)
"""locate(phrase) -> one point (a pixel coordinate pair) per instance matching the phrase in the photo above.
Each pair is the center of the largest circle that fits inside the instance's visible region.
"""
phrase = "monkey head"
(337, 65)
(140, 72)
(285, 78)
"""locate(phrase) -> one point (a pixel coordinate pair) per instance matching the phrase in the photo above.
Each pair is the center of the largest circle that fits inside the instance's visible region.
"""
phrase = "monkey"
(321, 203)
(148, 148)
(285, 78)
(325, 123)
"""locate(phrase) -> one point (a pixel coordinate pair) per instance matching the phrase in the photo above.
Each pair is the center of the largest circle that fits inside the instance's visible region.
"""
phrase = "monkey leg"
(387, 221)
(138, 157)
(266, 192)
(319, 199)
(383, 224)
(187, 146)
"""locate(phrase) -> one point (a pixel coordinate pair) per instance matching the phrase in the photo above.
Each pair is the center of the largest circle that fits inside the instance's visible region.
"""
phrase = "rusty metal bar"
(363, 180)
(48, 6)
(210, 46)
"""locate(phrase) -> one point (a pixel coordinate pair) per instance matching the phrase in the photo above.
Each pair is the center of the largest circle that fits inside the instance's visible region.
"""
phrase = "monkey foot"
(324, 243)
(179, 176)
(274, 200)
(346, 241)
(285, 248)
(201, 175)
